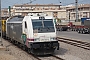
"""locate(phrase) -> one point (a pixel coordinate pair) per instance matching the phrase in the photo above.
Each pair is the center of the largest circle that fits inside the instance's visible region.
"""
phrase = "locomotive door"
(25, 29)
(24, 35)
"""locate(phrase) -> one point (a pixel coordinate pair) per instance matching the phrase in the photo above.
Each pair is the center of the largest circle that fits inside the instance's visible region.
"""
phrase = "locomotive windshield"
(43, 26)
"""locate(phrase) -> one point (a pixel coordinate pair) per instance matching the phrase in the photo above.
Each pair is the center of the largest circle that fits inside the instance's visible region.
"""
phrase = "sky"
(6, 3)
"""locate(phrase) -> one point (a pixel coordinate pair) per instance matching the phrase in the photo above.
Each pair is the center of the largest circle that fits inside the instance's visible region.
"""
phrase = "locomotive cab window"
(46, 26)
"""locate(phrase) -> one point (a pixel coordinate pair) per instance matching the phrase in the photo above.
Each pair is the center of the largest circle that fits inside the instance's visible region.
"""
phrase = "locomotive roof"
(16, 19)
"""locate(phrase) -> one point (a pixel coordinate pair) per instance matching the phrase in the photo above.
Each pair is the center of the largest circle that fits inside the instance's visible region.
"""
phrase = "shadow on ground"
(61, 51)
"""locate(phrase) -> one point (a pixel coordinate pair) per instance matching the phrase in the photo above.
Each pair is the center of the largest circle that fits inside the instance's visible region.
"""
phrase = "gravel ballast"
(67, 52)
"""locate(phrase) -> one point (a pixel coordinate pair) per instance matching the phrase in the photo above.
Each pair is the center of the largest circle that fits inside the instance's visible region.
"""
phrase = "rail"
(84, 45)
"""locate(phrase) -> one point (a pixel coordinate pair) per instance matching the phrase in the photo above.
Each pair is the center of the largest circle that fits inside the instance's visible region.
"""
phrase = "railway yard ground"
(74, 35)
(66, 51)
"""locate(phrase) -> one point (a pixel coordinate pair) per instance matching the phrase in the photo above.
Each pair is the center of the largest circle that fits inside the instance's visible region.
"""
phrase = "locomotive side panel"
(14, 28)
(8, 30)
(15, 31)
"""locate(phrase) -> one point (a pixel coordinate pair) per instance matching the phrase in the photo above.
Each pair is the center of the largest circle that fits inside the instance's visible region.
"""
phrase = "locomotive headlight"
(52, 38)
(35, 34)
(36, 39)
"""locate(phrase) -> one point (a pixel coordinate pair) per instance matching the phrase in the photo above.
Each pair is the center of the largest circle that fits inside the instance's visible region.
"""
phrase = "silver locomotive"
(35, 33)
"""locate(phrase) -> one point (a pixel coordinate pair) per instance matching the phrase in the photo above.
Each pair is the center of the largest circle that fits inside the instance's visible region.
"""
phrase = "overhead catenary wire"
(1, 25)
(30, 2)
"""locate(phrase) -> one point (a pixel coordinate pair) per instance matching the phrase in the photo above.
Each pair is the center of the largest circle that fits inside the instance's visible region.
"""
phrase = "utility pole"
(69, 16)
(1, 25)
(89, 12)
(9, 11)
(76, 2)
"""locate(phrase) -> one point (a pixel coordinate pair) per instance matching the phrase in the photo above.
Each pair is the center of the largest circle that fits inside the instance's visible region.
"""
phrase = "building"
(4, 12)
(49, 9)
(83, 12)
(58, 11)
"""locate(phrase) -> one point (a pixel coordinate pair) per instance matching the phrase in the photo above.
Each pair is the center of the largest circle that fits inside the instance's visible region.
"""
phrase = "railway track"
(84, 45)
(29, 54)
(36, 57)
(57, 57)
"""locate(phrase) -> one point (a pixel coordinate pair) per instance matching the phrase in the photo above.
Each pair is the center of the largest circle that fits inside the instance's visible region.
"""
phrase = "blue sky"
(6, 3)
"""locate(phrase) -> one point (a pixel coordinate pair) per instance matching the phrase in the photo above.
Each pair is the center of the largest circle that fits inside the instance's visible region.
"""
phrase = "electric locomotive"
(36, 33)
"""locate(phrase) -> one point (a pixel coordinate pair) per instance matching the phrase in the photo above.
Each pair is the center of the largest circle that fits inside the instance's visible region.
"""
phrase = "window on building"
(55, 14)
(84, 12)
(85, 16)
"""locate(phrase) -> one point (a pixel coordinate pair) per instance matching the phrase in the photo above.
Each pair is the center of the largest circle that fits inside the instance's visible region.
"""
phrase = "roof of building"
(79, 6)
(24, 5)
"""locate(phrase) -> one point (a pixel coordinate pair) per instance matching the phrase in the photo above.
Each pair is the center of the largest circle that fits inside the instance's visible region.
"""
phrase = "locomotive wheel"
(24, 48)
(29, 50)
